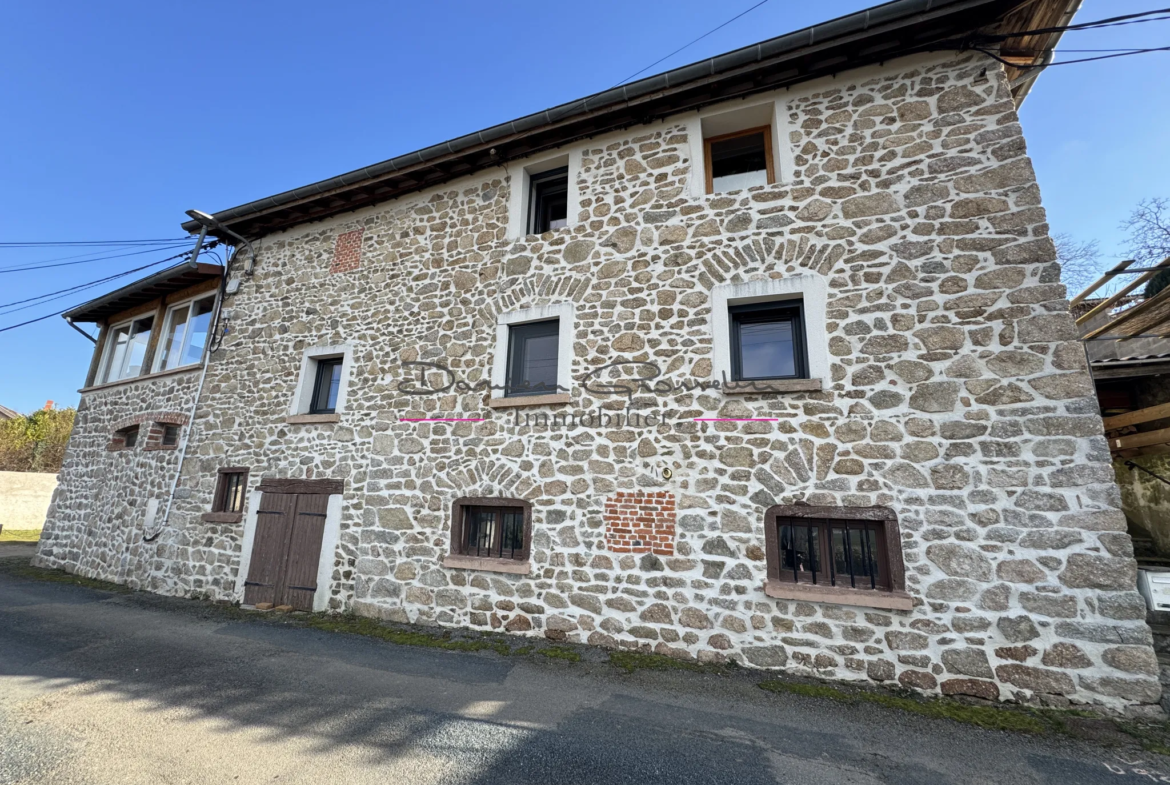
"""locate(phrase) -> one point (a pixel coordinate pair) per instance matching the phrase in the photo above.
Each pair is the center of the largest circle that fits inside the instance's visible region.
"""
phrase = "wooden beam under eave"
(1147, 439)
(1137, 416)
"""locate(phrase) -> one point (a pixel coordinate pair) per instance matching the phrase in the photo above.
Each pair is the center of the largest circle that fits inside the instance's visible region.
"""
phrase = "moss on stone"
(631, 661)
(561, 653)
(989, 717)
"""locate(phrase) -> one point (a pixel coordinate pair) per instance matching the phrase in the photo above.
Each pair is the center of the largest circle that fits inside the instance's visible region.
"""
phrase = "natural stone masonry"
(640, 523)
(957, 395)
(347, 252)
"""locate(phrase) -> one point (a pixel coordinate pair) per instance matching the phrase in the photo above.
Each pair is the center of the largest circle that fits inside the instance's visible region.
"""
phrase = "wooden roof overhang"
(872, 36)
(145, 290)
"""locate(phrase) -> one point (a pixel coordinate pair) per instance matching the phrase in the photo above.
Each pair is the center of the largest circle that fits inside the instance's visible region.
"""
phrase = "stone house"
(765, 358)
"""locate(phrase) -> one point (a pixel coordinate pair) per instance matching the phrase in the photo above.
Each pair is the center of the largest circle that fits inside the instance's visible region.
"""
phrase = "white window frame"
(564, 312)
(699, 129)
(107, 350)
(809, 287)
(520, 196)
(164, 337)
(302, 399)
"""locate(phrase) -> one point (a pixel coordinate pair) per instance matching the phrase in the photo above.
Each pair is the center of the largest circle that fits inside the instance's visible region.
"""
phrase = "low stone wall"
(24, 499)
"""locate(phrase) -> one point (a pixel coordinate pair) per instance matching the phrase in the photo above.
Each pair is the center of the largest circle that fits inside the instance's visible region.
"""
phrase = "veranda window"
(185, 333)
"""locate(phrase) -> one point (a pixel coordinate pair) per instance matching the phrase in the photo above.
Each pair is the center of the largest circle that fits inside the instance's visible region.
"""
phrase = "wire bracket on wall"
(1132, 465)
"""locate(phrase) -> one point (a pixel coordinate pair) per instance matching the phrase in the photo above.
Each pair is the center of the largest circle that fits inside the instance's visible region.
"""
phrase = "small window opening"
(549, 201)
(326, 386)
(532, 358)
(739, 160)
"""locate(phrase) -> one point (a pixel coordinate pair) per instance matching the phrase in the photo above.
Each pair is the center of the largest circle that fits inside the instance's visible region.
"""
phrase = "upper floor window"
(321, 387)
(767, 341)
(185, 333)
(125, 351)
(548, 205)
(739, 160)
(532, 358)
(327, 386)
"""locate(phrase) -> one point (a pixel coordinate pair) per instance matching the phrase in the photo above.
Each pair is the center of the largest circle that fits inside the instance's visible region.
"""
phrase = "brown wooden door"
(304, 551)
(286, 550)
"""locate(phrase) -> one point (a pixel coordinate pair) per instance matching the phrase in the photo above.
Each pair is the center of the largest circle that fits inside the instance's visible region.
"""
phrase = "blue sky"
(119, 116)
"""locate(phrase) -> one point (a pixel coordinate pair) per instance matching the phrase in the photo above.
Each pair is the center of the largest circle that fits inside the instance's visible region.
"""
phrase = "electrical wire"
(67, 243)
(994, 56)
(39, 266)
(65, 292)
(700, 38)
(1113, 21)
(71, 307)
(92, 252)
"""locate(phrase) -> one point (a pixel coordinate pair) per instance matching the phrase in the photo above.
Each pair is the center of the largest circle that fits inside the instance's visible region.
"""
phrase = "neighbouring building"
(765, 358)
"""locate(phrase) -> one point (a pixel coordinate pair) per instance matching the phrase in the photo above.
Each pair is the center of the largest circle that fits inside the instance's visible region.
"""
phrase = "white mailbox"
(1154, 584)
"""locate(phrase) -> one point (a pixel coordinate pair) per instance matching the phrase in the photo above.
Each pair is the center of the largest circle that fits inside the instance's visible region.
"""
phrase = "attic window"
(548, 201)
(739, 160)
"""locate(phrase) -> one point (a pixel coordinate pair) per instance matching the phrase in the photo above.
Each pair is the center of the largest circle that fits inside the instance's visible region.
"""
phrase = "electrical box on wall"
(1154, 585)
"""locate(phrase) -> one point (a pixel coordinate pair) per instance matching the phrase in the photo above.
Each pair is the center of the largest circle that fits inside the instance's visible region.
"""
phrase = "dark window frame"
(770, 165)
(130, 436)
(168, 429)
(755, 313)
(322, 364)
(543, 189)
(891, 564)
(459, 512)
(224, 486)
(514, 369)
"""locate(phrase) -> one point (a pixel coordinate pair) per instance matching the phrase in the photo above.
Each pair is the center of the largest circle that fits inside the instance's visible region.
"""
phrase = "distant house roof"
(875, 35)
(8, 414)
(168, 281)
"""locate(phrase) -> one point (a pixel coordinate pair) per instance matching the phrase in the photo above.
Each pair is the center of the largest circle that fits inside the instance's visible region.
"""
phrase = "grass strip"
(987, 717)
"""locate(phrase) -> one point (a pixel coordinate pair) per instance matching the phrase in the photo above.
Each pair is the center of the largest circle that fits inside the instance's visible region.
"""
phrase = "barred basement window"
(170, 436)
(491, 528)
(835, 554)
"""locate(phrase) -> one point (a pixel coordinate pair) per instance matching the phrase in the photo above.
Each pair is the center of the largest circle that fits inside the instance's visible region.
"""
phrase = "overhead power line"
(684, 46)
(64, 292)
(43, 266)
(67, 243)
(43, 298)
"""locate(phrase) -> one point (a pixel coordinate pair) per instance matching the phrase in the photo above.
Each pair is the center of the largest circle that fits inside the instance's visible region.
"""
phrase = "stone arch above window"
(491, 533)
(840, 555)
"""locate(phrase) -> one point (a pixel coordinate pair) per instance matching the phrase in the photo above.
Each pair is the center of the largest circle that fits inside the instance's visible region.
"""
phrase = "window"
(125, 350)
(831, 551)
(739, 160)
(488, 528)
(130, 436)
(532, 358)
(229, 491)
(548, 204)
(767, 341)
(170, 436)
(185, 334)
(326, 386)
(321, 386)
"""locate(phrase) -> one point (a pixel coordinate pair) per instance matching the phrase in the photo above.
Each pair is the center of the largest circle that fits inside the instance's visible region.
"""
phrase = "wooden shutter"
(304, 552)
(274, 523)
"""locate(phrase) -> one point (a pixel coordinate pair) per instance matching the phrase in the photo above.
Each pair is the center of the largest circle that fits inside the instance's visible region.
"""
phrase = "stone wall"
(24, 499)
(95, 524)
(956, 395)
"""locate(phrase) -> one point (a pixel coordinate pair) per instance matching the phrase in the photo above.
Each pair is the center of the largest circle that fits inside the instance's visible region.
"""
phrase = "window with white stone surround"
(737, 148)
(786, 313)
(320, 365)
(546, 332)
(544, 196)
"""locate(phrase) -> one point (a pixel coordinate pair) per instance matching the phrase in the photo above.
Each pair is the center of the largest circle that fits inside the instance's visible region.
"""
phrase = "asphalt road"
(102, 688)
